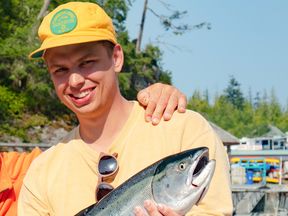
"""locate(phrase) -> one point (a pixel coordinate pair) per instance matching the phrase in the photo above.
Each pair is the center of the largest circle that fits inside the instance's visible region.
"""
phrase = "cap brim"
(65, 40)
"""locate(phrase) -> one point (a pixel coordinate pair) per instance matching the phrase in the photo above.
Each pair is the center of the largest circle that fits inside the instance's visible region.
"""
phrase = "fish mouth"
(201, 160)
(200, 174)
(197, 182)
(198, 179)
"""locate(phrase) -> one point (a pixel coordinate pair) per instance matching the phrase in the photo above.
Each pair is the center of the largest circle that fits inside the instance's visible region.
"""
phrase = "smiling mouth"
(82, 98)
(82, 94)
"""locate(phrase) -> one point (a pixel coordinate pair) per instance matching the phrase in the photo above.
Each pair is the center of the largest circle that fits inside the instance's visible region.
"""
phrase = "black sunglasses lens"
(103, 190)
(107, 165)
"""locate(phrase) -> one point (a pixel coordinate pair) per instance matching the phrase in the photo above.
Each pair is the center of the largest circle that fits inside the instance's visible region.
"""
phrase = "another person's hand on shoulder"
(161, 100)
(154, 210)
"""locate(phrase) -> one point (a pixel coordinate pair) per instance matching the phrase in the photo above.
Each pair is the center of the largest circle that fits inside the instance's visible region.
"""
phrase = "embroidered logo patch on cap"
(63, 21)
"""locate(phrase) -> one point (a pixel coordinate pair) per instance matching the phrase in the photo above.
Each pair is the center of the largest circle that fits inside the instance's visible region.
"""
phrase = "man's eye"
(86, 63)
(60, 71)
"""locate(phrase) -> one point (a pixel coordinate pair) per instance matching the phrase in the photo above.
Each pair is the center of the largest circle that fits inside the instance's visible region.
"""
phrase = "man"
(158, 99)
(83, 58)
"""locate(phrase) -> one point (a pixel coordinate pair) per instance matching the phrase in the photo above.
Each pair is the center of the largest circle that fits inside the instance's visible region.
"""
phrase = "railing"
(22, 147)
(271, 199)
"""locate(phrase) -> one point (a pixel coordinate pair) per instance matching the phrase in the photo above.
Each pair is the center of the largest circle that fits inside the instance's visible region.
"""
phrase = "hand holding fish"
(154, 210)
(178, 181)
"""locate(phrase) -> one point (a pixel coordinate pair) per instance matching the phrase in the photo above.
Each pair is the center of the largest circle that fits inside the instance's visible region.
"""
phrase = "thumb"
(143, 97)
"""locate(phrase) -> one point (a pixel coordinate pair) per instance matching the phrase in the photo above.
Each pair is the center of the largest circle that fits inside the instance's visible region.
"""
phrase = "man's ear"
(118, 58)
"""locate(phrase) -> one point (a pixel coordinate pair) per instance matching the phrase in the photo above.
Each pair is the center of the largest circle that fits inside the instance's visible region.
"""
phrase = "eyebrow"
(55, 66)
(88, 55)
(59, 65)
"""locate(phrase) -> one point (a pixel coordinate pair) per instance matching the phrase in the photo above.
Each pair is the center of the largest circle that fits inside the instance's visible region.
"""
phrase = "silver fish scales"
(178, 181)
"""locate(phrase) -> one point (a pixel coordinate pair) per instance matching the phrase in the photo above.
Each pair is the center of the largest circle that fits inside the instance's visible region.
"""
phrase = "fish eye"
(182, 166)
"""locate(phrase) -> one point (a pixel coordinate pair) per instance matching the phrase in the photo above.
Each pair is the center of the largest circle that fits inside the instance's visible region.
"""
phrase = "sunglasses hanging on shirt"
(107, 169)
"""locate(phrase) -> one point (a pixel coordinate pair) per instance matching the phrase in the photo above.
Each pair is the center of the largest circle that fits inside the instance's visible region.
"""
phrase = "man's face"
(84, 76)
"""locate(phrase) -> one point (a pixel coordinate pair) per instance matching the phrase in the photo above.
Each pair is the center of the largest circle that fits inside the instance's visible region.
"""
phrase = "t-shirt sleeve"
(30, 204)
(32, 199)
(218, 199)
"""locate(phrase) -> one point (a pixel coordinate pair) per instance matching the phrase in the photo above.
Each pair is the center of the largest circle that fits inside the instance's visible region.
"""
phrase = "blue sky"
(248, 40)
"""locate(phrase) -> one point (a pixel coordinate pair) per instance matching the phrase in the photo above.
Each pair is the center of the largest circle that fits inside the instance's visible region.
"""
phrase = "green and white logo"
(63, 21)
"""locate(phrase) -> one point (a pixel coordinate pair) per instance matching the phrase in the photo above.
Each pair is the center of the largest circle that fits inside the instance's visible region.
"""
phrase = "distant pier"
(259, 199)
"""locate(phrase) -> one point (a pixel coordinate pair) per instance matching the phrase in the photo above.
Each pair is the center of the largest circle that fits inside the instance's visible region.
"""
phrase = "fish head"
(181, 180)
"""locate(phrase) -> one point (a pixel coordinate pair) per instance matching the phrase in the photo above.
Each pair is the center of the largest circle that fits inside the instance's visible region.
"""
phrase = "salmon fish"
(178, 181)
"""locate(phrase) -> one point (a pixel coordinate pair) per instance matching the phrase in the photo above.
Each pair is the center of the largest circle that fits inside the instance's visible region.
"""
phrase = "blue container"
(249, 177)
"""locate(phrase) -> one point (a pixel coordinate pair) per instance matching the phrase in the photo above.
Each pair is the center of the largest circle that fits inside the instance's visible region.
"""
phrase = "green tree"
(29, 80)
(275, 108)
(199, 103)
(245, 119)
(283, 121)
(233, 93)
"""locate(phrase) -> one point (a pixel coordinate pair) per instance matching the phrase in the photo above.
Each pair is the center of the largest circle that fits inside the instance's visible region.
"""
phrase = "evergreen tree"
(28, 82)
(246, 119)
(233, 93)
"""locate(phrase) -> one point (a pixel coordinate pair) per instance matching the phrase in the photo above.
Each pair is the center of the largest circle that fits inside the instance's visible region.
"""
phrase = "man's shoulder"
(42, 160)
(189, 117)
(53, 152)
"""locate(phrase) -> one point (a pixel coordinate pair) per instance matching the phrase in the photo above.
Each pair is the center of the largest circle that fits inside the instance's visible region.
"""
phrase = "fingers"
(164, 210)
(151, 208)
(182, 103)
(149, 97)
(176, 99)
(154, 210)
(171, 99)
(149, 112)
(138, 211)
(143, 97)
(161, 100)
(161, 106)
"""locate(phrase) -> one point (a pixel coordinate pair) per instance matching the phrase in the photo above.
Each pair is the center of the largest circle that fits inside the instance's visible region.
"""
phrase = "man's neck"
(99, 132)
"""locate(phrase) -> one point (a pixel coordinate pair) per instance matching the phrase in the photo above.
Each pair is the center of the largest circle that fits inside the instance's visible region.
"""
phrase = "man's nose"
(76, 80)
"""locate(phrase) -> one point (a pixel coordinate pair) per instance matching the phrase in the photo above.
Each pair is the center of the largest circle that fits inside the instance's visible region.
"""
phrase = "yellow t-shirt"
(62, 180)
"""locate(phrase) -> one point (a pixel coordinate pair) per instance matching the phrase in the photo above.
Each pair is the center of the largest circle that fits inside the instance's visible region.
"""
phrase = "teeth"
(82, 94)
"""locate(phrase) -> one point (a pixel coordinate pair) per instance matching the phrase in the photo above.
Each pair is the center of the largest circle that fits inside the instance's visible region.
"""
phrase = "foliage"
(25, 86)
(233, 93)
(239, 115)
(27, 98)
(12, 104)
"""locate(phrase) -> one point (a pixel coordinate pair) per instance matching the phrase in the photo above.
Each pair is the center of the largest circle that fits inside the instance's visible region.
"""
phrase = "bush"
(12, 105)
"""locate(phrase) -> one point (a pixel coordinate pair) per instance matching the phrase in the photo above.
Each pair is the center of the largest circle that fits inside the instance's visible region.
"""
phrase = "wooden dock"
(259, 199)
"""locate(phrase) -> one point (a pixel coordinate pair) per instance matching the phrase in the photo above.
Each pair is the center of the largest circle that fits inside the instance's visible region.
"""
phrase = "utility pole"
(43, 9)
(40, 15)
(139, 39)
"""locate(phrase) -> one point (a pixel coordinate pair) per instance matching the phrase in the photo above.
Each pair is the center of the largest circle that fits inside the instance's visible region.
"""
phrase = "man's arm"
(218, 199)
(161, 100)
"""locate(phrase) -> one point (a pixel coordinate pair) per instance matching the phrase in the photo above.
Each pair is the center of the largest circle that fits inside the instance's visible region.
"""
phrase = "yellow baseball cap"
(73, 23)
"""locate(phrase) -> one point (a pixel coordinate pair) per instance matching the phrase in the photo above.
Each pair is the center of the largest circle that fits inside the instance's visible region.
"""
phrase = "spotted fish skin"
(178, 181)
